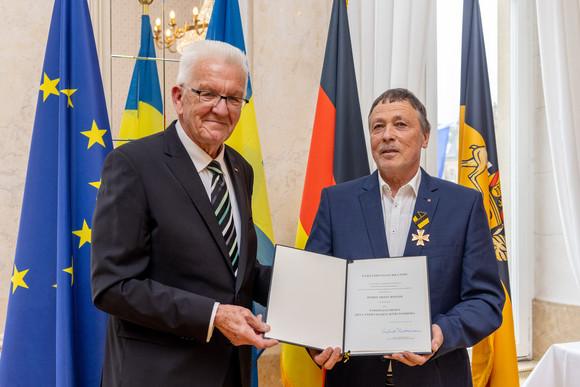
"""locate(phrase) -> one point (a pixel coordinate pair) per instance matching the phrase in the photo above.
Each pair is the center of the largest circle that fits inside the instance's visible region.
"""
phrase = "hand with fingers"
(413, 359)
(327, 358)
(241, 327)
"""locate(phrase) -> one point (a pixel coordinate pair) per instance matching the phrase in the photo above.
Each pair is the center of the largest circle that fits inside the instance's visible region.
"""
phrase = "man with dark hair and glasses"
(173, 240)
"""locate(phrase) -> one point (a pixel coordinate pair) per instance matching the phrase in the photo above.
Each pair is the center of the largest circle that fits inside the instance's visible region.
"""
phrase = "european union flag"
(54, 335)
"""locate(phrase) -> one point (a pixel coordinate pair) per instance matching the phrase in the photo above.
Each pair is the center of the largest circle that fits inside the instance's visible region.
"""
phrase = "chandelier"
(176, 38)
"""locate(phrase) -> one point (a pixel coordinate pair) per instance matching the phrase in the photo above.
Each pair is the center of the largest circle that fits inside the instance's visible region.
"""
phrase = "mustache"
(388, 148)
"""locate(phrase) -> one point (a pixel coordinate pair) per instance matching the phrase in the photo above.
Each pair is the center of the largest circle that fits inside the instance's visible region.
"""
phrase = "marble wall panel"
(24, 35)
(553, 323)
(289, 39)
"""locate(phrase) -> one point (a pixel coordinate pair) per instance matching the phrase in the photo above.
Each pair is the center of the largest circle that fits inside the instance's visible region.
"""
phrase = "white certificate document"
(387, 306)
(365, 307)
(306, 300)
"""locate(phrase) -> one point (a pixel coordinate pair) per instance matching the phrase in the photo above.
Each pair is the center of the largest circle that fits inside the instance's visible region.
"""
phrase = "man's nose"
(388, 132)
(221, 108)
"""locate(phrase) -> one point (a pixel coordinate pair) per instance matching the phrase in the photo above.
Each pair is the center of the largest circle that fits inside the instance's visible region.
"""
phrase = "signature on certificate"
(386, 331)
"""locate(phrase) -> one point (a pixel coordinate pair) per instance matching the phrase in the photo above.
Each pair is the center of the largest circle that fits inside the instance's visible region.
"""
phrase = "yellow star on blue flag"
(84, 234)
(71, 272)
(68, 93)
(48, 87)
(18, 279)
(95, 135)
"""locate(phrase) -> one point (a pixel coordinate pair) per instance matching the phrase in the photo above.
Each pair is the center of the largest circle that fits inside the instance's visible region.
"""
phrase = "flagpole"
(145, 4)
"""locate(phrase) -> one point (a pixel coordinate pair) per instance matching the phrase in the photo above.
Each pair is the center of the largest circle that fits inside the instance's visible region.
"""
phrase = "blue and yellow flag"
(494, 359)
(226, 25)
(144, 108)
(54, 335)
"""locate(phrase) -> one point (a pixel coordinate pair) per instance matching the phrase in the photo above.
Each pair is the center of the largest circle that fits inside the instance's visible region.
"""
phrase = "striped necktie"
(220, 201)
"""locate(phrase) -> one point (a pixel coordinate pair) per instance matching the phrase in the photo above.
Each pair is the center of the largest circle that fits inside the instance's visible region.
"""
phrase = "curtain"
(391, 42)
(558, 32)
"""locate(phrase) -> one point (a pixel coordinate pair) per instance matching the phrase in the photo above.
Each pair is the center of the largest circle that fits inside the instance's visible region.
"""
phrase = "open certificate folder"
(373, 306)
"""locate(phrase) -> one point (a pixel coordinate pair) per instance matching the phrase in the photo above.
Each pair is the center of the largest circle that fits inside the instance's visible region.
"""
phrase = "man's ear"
(426, 139)
(177, 93)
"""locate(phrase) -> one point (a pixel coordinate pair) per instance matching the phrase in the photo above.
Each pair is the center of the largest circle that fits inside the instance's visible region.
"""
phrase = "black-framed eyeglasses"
(213, 99)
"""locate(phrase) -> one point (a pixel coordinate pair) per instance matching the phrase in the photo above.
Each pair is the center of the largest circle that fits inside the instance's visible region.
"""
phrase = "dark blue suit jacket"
(466, 293)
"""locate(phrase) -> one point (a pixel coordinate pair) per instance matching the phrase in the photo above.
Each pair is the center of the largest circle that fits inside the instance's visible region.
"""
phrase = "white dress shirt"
(200, 161)
(398, 212)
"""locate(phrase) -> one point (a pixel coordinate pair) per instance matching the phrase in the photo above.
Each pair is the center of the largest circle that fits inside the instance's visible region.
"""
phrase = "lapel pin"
(236, 169)
(421, 219)
(420, 237)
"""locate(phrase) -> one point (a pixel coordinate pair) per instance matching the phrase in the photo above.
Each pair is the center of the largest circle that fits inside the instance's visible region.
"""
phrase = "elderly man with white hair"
(173, 240)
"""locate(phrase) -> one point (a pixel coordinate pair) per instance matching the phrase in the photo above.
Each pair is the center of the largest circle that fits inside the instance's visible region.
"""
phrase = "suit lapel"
(184, 171)
(372, 209)
(427, 199)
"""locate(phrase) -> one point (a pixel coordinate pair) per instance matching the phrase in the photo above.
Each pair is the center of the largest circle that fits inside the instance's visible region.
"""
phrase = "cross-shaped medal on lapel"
(420, 220)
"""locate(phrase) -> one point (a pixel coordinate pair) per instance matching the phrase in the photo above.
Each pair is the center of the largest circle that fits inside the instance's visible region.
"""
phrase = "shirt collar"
(413, 183)
(198, 156)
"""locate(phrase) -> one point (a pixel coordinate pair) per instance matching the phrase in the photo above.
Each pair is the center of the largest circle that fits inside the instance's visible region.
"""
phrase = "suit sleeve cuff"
(210, 328)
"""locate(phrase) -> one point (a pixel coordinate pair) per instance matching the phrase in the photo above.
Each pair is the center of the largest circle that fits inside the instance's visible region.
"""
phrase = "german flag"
(494, 362)
(337, 154)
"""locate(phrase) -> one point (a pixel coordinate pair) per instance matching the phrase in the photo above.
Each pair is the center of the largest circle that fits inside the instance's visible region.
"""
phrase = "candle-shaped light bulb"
(172, 16)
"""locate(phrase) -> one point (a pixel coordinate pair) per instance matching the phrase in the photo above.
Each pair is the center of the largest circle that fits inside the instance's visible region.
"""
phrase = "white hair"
(209, 49)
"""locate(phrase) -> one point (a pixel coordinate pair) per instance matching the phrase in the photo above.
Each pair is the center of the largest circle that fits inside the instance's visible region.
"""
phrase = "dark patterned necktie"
(220, 200)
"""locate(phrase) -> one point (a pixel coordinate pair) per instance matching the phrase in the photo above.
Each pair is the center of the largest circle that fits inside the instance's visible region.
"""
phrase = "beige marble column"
(286, 54)
(25, 31)
(286, 51)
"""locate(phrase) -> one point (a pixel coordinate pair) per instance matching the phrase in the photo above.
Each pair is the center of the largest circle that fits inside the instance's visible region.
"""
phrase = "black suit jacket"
(159, 263)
